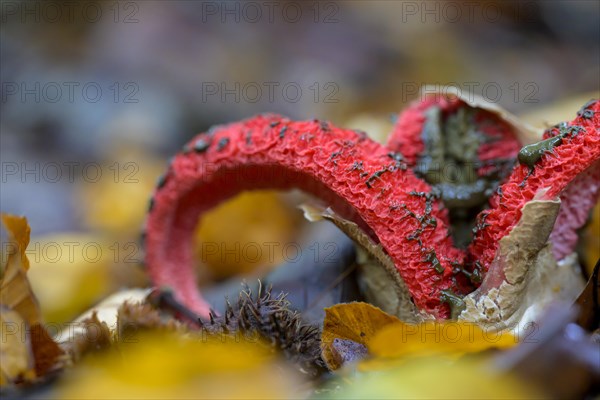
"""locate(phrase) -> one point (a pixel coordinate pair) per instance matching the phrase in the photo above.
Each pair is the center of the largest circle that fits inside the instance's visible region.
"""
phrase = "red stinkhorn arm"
(356, 176)
(569, 169)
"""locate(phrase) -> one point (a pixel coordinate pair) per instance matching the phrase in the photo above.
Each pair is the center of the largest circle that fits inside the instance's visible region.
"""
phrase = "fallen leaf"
(170, 365)
(17, 296)
(16, 357)
(450, 339)
(15, 290)
(45, 350)
(20, 231)
(503, 297)
(379, 278)
(432, 378)
(356, 322)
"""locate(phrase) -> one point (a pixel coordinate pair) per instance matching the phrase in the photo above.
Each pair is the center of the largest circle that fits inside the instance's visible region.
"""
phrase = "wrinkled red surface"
(333, 164)
(571, 171)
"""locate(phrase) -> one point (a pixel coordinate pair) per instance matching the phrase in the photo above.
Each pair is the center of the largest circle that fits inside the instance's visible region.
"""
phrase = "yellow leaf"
(170, 365)
(447, 338)
(432, 378)
(358, 322)
(15, 290)
(16, 357)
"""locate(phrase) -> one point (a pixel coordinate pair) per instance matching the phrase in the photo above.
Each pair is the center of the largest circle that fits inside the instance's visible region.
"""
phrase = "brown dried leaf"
(356, 322)
(15, 290)
(379, 278)
(19, 230)
(16, 357)
(500, 302)
(46, 351)
(16, 294)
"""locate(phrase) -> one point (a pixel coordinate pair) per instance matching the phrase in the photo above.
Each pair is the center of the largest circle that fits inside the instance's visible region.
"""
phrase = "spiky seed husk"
(271, 318)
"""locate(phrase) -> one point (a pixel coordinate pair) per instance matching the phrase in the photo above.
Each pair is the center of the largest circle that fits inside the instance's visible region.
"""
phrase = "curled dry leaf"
(15, 290)
(19, 231)
(351, 322)
(551, 282)
(46, 351)
(499, 302)
(379, 279)
(19, 301)
(16, 357)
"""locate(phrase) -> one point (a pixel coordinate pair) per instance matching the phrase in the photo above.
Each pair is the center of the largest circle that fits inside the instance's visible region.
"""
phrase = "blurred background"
(96, 96)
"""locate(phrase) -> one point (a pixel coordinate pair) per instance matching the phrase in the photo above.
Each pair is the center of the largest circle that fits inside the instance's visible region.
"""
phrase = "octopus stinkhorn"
(380, 188)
